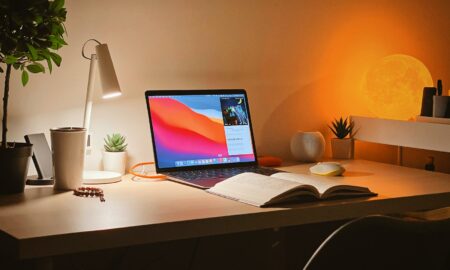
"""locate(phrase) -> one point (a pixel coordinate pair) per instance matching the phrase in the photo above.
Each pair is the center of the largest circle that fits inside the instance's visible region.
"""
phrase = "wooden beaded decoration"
(89, 192)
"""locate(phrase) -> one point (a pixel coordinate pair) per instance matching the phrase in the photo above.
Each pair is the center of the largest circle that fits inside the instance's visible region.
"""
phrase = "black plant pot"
(14, 167)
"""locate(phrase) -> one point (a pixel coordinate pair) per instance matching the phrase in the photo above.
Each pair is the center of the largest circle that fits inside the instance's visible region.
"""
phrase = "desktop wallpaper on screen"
(195, 130)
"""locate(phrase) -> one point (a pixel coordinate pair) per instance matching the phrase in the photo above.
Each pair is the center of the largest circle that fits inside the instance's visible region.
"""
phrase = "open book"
(261, 190)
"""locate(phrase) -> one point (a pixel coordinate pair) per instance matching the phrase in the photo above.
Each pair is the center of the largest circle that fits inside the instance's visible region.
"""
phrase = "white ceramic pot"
(115, 161)
(307, 146)
(342, 148)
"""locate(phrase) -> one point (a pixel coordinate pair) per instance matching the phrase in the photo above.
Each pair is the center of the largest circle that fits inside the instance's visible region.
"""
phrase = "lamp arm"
(89, 95)
(84, 46)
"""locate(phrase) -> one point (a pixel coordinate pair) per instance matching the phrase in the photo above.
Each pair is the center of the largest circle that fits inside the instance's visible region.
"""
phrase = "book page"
(324, 185)
(252, 188)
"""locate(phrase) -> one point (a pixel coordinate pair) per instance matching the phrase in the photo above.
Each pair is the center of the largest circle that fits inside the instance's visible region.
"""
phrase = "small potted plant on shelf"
(342, 146)
(30, 32)
(115, 155)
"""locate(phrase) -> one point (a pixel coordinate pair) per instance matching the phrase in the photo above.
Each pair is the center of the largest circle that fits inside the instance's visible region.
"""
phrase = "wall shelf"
(414, 134)
(436, 120)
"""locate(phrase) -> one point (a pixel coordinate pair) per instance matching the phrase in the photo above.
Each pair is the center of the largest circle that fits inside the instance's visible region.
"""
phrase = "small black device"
(42, 159)
(427, 101)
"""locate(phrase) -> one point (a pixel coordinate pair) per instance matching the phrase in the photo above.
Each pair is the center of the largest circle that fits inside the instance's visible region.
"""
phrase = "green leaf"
(38, 19)
(56, 58)
(46, 54)
(33, 52)
(57, 29)
(36, 68)
(56, 40)
(10, 59)
(24, 77)
(49, 64)
(57, 5)
(65, 29)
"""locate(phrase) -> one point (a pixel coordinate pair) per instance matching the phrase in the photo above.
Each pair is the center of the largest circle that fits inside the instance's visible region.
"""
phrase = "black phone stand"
(39, 181)
(42, 159)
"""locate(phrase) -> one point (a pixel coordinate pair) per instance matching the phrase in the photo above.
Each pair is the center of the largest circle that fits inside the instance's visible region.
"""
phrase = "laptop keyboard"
(220, 173)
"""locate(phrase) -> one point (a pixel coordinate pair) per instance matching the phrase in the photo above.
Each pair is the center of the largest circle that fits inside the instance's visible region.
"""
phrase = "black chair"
(381, 242)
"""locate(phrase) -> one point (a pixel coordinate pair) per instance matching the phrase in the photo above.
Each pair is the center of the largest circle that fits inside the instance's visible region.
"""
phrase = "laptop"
(202, 137)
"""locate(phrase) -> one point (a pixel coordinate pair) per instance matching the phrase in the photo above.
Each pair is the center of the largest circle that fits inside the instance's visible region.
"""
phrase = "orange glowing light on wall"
(393, 86)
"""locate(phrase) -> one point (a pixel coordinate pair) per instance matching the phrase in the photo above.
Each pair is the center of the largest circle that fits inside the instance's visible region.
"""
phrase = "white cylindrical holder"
(440, 104)
(68, 148)
(115, 161)
(308, 146)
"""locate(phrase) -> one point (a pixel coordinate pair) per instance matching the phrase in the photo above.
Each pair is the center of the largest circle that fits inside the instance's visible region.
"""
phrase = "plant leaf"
(10, 59)
(57, 5)
(332, 130)
(336, 125)
(1, 70)
(49, 64)
(25, 77)
(36, 68)
(115, 142)
(56, 58)
(38, 19)
(33, 52)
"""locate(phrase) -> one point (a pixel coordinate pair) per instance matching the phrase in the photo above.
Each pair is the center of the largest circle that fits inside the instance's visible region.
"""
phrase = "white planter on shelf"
(115, 161)
(342, 148)
(307, 146)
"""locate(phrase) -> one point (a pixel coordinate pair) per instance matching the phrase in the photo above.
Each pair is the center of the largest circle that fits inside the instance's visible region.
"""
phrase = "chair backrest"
(381, 242)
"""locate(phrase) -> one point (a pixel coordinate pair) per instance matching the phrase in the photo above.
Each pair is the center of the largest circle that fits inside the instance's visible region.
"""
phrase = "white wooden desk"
(41, 222)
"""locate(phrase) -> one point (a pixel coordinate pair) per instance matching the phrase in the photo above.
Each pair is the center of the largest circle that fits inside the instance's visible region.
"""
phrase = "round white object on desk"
(327, 169)
(307, 146)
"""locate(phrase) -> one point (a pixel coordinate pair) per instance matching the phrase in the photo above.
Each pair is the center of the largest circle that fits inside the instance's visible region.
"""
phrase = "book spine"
(233, 198)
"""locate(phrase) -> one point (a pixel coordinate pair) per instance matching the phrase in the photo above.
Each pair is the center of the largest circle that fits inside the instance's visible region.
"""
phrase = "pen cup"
(440, 104)
(68, 150)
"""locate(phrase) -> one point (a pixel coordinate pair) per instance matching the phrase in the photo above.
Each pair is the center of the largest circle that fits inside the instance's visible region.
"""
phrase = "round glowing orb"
(393, 86)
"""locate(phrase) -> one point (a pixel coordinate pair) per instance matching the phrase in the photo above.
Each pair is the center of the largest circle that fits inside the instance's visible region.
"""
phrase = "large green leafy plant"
(31, 31)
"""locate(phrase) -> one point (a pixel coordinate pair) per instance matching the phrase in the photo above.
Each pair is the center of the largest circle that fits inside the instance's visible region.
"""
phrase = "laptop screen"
(200, 129)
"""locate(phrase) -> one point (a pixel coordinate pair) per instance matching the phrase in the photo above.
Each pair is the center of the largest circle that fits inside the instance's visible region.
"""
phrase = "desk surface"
(42, 222)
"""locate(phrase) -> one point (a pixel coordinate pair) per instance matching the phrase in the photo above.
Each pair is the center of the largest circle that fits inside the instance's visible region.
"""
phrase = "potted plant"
(342, 146)
(30, 32)
(115, 155)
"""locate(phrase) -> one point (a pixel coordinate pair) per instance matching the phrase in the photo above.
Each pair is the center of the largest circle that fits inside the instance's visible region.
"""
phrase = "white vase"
(307, 146)
(115, 161)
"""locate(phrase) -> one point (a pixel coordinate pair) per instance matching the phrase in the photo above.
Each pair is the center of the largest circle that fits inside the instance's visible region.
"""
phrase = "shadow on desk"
(41, 193)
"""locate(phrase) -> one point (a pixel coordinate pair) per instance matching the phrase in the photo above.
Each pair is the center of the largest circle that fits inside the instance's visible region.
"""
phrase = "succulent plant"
(115, 143)
(341, 128)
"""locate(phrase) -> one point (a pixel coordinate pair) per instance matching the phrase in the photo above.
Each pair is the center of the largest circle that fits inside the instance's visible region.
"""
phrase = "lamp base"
(100, 177)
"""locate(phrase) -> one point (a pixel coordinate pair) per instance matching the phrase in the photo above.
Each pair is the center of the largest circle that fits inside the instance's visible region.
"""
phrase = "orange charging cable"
(155, 176)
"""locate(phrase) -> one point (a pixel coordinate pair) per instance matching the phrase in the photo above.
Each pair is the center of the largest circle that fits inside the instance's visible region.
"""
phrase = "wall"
(302, 62)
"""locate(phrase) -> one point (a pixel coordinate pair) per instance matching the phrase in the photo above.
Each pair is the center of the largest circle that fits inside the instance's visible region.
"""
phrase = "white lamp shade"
(108, 78)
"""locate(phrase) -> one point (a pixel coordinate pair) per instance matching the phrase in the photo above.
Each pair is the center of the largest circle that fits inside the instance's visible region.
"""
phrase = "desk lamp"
(110, 88)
